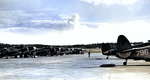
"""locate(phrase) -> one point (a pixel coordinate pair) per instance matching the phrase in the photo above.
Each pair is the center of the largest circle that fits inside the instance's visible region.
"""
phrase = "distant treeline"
(97, 45)
(86, 46)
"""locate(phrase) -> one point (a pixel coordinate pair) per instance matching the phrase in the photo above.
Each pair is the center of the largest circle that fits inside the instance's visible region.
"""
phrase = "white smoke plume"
(73, 19)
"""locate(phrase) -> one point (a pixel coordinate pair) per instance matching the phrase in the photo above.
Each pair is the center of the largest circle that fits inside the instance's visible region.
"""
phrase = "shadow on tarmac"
(113, 65)
(107, 59)
(133, 65)
(102, 59)
(107, 65)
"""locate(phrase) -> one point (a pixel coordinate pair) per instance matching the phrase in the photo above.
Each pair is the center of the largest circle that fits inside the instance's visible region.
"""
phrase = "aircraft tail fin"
(123, 43)
(105, 47)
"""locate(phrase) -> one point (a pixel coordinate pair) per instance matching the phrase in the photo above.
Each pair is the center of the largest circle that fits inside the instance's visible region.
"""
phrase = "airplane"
(125, 50)
(12, 51)
(108, 50)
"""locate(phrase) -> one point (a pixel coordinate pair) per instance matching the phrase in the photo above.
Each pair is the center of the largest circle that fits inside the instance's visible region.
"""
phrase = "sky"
(69, 22)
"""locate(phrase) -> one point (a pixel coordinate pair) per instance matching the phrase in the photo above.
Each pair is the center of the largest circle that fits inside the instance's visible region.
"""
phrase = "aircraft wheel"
(22, 56)
(107, 57)
(6, 57)
(16, 56)
(124, 63)
(33, 54)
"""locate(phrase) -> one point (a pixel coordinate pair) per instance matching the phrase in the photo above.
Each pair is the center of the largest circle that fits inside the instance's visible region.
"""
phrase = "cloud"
(83, 34)
(76, 35)
(18, 5)
(28, 23)
(34, 27)
(110, 2)
(46, 22)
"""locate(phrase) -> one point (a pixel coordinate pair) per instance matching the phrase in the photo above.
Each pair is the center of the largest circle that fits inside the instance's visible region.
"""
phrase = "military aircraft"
(124, 50)
(108, 50)
(12, 51)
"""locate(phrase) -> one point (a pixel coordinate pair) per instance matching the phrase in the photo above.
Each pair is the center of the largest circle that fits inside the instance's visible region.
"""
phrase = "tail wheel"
(124, 63)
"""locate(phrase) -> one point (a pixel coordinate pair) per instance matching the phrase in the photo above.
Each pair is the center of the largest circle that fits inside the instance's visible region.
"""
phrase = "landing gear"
(107, 57)
(125, 63)
(6, 56)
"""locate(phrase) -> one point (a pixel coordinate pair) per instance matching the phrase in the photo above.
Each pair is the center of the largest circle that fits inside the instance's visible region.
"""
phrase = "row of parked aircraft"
(31, 51)
(125, 50)
(122, 49)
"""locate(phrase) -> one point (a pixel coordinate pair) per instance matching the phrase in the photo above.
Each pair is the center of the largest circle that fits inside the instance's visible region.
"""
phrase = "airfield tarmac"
(73, 67)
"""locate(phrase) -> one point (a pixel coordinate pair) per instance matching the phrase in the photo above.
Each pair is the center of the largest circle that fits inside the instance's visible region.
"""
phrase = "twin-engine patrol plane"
(124, 50)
